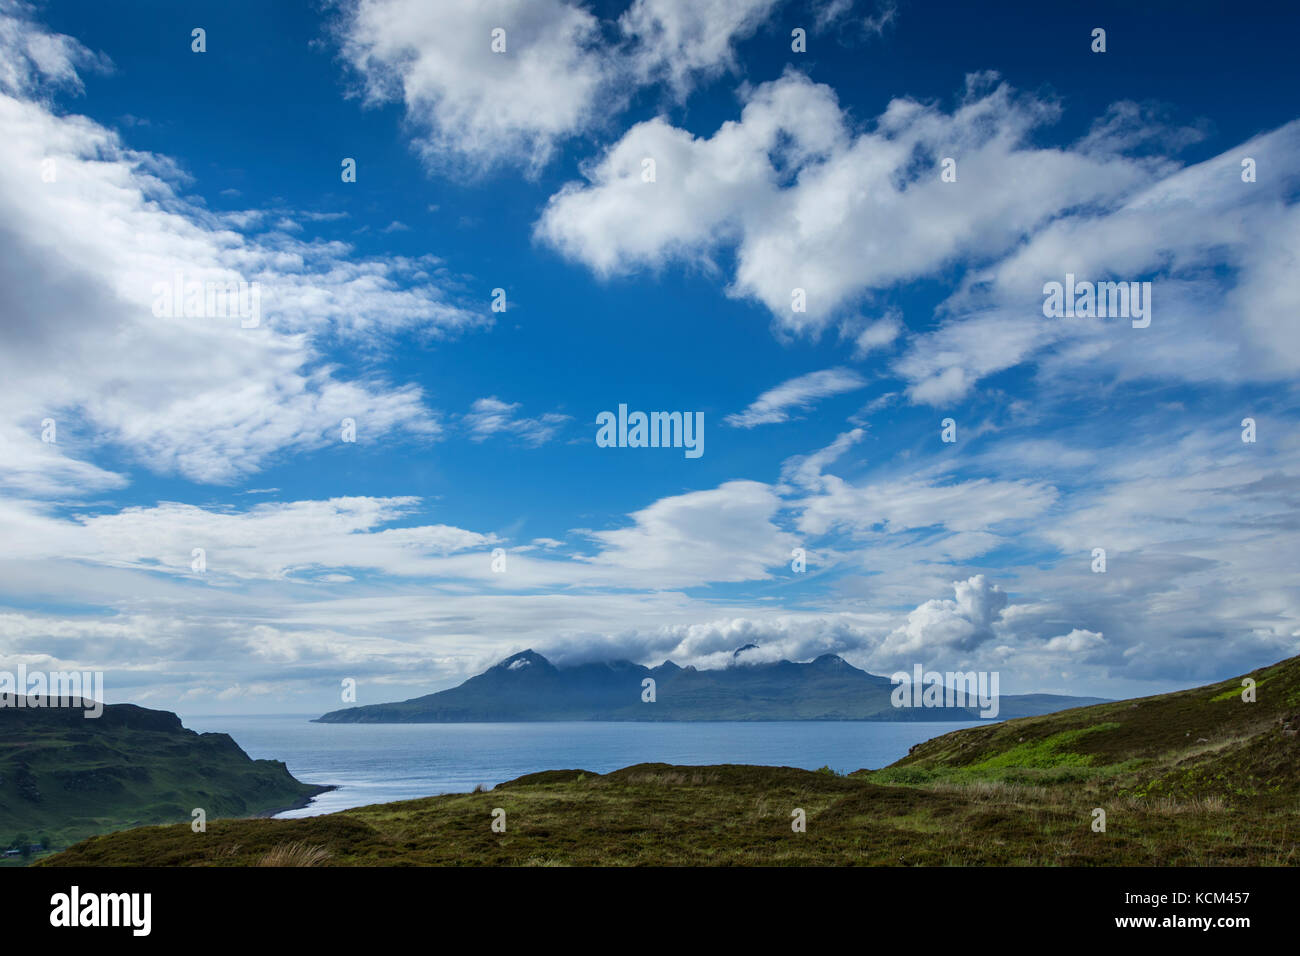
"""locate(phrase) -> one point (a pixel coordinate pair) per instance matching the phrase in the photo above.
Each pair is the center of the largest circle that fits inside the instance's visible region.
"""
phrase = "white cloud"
(796, 394)
(918, 501)
(942, 626)
(274, 540)
(34, 60)
(835, 13)
(1200, 545)
(491, 416)
(82, 258)
(806, 470)
(1200, 529)
(879, 334)
(1078, 642)
(876, 23)
(705, 189)
(1127, 126)
(810, 204)
(41, 469)
(723, 534)
(463, 99)
(560, 74)
(712, 643)
(1219, 254)
(681, 41)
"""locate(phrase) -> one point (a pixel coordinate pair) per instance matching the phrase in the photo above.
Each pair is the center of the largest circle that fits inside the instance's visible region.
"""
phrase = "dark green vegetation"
(1198, 778)
(64, 776)
(526, 686)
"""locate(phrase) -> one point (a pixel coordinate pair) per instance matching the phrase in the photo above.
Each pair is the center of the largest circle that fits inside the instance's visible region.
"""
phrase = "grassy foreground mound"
(1194, 778)
(64, 777)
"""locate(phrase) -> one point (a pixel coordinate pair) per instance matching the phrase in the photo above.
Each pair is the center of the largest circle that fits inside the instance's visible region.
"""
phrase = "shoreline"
(304, 801)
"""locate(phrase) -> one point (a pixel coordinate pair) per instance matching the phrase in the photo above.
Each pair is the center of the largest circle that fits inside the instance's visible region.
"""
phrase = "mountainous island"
(527, 687)
(64, 777)
(1201, 777)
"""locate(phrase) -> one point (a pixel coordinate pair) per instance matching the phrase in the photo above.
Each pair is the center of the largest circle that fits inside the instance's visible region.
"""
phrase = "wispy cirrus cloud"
(795, 395)
(491, 416)
(94, 229)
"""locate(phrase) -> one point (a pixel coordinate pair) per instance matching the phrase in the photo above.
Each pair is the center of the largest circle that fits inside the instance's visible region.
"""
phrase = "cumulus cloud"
(683, 41)
(944, 626)
(808, 203)
(560, 72)
(1077, 642)
(461, 97)
(822, 215)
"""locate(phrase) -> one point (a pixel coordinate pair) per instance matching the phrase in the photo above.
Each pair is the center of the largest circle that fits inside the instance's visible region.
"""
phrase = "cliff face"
(66, 777)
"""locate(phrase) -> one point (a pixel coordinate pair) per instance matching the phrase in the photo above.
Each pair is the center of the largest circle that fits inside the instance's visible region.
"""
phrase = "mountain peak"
(827, 661)
(524, 660)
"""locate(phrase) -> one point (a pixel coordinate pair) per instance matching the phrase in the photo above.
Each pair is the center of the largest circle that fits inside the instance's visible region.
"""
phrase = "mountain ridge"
(526, 686)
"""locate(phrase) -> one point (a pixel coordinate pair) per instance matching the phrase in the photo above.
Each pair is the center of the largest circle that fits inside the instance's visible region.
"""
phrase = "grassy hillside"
(1194, 743)
(1193, 778)
(65, 777)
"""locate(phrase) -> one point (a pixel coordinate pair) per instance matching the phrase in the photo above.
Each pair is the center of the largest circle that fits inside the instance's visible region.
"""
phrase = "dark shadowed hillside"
(65, 777)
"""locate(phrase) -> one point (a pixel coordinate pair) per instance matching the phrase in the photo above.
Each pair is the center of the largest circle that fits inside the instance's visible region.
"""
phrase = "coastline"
(305, 801)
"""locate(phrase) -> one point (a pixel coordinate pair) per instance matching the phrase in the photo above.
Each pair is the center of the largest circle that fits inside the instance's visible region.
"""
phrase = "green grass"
(1196, 778)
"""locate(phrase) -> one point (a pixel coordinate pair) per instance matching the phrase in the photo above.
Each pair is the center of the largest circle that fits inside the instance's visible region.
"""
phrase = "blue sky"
(522, 171)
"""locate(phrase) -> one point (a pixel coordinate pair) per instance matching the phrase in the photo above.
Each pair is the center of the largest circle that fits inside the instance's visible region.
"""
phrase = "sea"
(379, 763)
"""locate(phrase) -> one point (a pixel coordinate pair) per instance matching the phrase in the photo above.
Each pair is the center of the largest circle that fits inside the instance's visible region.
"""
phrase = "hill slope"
(526, 687)
(66, 777)
(1198, 777)
(1192, 742)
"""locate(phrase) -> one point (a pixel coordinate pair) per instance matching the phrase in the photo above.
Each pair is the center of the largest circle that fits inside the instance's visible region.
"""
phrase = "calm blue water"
(376, 763)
